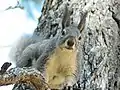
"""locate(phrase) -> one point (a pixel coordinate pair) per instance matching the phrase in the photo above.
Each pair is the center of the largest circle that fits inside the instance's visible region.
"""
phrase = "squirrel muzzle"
(70, 43)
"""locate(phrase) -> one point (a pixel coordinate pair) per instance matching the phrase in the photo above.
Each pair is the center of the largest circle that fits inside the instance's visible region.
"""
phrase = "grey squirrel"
(56, 58)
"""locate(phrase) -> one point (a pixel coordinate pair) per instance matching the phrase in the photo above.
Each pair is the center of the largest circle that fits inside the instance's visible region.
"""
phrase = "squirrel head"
(71, 34)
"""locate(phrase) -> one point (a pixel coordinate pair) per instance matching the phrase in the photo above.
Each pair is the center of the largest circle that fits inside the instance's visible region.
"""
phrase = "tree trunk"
(100, 47)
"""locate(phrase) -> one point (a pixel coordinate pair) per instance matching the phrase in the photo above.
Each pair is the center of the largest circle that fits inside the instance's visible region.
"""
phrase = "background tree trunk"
(100, 56)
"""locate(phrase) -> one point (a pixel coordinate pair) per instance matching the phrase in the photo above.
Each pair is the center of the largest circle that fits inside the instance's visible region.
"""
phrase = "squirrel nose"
(70, 42)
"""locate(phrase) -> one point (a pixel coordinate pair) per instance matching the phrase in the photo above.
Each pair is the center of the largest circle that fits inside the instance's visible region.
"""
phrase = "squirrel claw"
(68, 88)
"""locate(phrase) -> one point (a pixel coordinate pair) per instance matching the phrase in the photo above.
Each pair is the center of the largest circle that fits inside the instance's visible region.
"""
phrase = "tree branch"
(25, 75)
(14, 7)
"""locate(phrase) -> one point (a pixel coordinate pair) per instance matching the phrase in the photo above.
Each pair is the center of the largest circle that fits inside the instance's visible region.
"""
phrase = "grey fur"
(36, 54)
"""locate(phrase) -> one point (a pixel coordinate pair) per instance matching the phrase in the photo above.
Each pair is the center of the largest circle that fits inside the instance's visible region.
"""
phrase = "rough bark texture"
(28, 77)
(100, 57)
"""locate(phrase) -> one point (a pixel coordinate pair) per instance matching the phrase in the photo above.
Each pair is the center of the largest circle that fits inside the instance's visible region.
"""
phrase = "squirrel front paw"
(68, 84)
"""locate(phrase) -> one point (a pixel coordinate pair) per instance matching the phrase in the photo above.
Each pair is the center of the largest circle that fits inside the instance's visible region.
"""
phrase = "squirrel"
(56, 58)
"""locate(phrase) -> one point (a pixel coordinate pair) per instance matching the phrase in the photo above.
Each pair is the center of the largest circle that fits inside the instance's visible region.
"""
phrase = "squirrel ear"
(82, 22)
(66, 17)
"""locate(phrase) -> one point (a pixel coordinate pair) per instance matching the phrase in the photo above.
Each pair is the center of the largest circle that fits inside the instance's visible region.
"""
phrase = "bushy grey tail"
(19, 46)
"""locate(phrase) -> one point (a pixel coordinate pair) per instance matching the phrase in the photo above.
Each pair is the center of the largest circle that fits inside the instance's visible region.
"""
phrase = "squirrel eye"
(63, 32)
(79, 38)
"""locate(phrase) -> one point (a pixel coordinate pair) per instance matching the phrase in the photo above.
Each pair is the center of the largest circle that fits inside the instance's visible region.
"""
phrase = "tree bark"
(100, 47)
(27, 76)
(99, 51)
